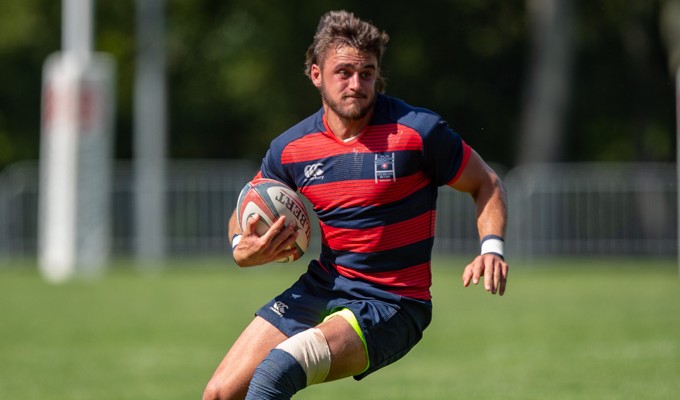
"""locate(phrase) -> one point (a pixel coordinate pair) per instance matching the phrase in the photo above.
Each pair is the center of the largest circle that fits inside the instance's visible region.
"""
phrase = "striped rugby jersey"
(375, 195)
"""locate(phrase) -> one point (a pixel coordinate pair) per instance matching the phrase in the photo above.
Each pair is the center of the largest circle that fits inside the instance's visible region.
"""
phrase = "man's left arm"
(486, 188)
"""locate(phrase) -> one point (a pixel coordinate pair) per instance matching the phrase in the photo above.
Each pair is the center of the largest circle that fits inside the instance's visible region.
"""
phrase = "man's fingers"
(497, 276)
(504, 278)
(467, 275)
(472, 273)
(287, 238)
(477, 270)
(275, 228)
(251, 224)
(492, 268)
(500, 276)
(287, 249)
(274, 244)
(488, 274)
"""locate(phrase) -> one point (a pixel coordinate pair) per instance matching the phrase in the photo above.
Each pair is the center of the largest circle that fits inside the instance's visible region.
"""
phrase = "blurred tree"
(28, 33)
(670, 30)
(622, 108)
(548, 82)
(235, 73)
(461, 58)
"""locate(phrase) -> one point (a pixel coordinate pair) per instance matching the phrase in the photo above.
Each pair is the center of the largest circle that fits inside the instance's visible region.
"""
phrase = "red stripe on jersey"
(380, 138)
(380, 238)
(363, 193)
(467, 152)
(411, 282)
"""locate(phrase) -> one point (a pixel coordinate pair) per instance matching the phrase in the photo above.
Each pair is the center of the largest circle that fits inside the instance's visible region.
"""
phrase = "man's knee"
(300, 361)
(311, 351)
(217, 390)
(212, 391)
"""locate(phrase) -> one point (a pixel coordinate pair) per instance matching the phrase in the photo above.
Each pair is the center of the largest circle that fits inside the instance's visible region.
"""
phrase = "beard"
(352, 111)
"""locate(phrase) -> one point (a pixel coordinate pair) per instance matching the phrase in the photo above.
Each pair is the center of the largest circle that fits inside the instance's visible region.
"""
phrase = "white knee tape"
(311, 350)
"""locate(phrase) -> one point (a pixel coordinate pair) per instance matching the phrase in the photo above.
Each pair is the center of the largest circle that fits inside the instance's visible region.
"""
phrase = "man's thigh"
(347, 349)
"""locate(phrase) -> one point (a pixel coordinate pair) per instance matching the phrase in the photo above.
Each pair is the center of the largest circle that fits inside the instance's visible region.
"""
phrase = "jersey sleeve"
(273, 168)
(446, 154)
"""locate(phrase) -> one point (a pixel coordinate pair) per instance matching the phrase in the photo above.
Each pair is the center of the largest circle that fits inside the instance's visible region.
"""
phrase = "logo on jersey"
(384, 167)
(314, 171)
(279, 308)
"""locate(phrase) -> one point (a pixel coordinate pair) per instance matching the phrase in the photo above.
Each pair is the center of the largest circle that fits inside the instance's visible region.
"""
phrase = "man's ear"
(315, 75)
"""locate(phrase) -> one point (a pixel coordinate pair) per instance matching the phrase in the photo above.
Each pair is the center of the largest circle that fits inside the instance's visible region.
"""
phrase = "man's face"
(346, 81)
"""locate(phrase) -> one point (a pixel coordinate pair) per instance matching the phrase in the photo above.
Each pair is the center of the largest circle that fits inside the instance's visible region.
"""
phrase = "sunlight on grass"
(564, 330)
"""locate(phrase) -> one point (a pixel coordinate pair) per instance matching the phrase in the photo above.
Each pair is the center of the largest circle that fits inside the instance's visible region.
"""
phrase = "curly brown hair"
(341, 28)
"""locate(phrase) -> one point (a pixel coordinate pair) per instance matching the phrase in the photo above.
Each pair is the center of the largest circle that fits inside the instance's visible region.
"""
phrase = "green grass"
(572, 329)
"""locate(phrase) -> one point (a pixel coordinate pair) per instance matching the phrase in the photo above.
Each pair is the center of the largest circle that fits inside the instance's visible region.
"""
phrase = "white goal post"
(75, 165)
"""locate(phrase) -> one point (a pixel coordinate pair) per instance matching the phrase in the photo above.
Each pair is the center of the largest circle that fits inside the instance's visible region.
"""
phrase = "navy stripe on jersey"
(409, 282)
(382, 237)
(331, 198)
(362, 217)
(355, 166)
(412, 254)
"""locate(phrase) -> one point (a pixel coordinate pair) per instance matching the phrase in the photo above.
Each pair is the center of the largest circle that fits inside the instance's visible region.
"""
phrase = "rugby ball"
(267, 200)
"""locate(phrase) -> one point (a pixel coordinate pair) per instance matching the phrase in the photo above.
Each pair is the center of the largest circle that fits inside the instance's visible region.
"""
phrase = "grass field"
(570, 329)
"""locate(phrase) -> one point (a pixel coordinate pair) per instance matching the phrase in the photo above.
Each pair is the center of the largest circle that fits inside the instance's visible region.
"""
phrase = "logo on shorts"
(279, 308)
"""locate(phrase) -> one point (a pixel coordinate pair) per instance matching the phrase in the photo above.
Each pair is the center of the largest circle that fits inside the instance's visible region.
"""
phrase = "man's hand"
(275, 244)
(494, 270)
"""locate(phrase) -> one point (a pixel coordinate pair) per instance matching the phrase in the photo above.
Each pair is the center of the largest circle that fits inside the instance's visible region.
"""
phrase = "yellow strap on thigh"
(348, 315)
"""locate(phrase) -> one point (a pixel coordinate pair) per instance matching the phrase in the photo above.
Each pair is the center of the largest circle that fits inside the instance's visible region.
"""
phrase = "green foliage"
(28, 34)
(564, 330)
(235, 73)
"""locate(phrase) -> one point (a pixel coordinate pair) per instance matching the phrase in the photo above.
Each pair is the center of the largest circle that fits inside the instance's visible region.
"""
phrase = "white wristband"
(492, 244)
(235, 240)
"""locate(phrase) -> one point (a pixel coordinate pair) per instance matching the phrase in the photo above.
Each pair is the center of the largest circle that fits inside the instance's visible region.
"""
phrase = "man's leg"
(233, 375)
(348, 351)
(333, 350)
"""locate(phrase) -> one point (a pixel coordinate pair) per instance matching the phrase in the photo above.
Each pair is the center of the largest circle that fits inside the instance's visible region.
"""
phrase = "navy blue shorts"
(391, 324)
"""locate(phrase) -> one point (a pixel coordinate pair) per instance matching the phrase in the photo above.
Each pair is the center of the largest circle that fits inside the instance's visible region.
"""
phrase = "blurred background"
(573, 102)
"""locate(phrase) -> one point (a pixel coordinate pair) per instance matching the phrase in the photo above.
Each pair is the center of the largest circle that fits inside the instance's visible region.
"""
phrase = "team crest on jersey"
(384, 167)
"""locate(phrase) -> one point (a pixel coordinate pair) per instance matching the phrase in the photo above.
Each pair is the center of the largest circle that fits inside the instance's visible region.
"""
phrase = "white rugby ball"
(268, 199)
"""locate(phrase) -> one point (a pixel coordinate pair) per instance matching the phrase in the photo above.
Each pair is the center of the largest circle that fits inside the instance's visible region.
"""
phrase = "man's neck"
(345, 129)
